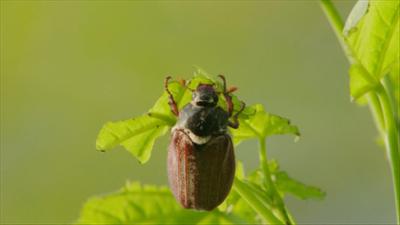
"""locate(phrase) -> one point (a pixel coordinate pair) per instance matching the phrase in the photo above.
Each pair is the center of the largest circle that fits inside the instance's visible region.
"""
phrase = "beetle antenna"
(223, 82)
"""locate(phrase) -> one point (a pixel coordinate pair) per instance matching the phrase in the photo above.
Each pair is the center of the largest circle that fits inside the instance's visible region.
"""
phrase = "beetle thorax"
(201, 123)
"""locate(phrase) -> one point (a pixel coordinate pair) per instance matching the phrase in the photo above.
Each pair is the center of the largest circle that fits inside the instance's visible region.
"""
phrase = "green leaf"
(286, 184)
(136, 135)
(244, 210)
(135, 204)
(262, 124)
(372, 33)
(237, 205)
(360, 81)
(356, 14)
(252, 192)
(139, 134)
(394, 82)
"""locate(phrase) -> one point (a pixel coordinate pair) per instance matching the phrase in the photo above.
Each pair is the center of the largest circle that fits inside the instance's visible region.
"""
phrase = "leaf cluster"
(149, 204)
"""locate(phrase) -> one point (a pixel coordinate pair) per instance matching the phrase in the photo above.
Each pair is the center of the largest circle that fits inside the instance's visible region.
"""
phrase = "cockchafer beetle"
(201, 159)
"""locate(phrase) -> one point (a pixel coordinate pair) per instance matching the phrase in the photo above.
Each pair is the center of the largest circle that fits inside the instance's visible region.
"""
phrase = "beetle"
(201, 159)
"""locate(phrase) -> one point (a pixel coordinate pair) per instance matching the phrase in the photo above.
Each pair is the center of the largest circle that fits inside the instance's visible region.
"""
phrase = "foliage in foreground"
(370, 38)
(256, 197)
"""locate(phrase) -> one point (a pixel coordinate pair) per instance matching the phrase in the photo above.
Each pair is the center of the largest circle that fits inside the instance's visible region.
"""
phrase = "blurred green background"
(67, 67)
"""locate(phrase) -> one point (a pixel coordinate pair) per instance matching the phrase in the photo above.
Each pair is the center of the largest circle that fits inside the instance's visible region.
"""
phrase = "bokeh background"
(67, 67)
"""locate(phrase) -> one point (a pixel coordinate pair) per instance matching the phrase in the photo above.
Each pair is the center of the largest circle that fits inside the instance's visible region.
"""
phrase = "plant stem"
(392, 145)
(334, 19)
(377, 114)
(271, 185)
(379, 105)
(337, 24)
(258, 206)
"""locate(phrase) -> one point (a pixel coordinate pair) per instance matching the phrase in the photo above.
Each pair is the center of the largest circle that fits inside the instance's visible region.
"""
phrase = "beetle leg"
(235, 123)
(171, 101)
(228, 98)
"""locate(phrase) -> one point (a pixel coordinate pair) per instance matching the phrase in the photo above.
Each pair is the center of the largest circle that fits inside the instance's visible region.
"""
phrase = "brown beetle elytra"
(201, 160)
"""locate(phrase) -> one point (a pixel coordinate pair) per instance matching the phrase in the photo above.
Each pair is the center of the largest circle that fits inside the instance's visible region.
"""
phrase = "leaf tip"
(99, 146)
(141, 159)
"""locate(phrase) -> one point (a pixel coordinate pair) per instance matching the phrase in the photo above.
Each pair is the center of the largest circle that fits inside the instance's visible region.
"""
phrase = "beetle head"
(205, 95)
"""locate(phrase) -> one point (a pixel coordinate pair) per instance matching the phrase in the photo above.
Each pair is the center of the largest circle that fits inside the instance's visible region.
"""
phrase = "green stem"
(334, 19)
(271, 185)
(388, 83)
(255, 203)
(379, 104)
(392, 145)
(337, 24)
(376, 110)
